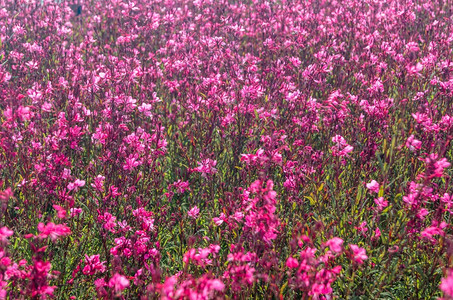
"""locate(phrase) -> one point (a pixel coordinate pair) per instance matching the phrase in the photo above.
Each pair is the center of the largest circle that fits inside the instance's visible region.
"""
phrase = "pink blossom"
(4, 234)
(341, 147)
(413, 144)
(118, 282)
(98, 183)
(434, 229)
(193, 212)
(109, 221)
(25, 113)
(61, 212)
(377, 233)
(359, 254)
(218, 221)
(381, 203)
(53, 231)
(76, 184)
(335, 244)
(412, 47)
(446, 284)
(206, 167)
(292, 263)
(373, 186)
(75, 211)
(181, 186)
(93, 265)
(99, 283)
(6, 194)
(362, 228)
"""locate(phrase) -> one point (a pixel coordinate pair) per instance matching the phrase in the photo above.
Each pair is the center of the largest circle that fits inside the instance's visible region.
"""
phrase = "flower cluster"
(199, 149)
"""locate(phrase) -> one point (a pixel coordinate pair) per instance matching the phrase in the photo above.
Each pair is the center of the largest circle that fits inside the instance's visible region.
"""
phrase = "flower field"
(200, 149)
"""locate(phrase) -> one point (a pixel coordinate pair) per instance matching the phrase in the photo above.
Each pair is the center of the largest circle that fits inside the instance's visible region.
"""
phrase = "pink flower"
(47, 107)
(79, 182)
(99, 283)
(53, 231)
(359, 254)
(98, 183)
(320, 289)
(75, 211)
(205, 167)
(373, 186)
(24, 113)
(422, 213)
(218, 221)
(381, 203)
(76, 184)
(5, 261)
(292, 263)
(6, 194)
(377, 233)
(216, 285)
(440, 165)
(435, 165)
(93, 265)
(446, 284)
(193, 213)
(131, 162)
(335, 244)
(434, 229)
(118, 282)
(4, 234)
(362, 228)
(341, 147)
(109, 221)
(181, 186)
(168, 288)
(61, 212)
(414, 69)
(413, 144)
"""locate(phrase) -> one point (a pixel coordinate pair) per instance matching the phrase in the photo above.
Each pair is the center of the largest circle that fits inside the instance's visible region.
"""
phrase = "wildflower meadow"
(226, 149)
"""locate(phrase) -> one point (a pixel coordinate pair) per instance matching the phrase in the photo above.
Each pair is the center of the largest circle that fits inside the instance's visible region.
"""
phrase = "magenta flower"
(434, 229)
(446, 284)
(381, 203)
(109, 221)
(118, 283)
(341, 147)
(98, 183)
(93, 265)
(335, 244)
(53, 231)
(373, 186)
(4, 234)
(130, 110)
(359, 254)
(61, 212)
(6, 194)
(193, 212)
(75, 211)
(76, 184)
(219, 220)
(377, 233)
(413, 144)
(205, 167)
(292, 263)
(25, 113)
